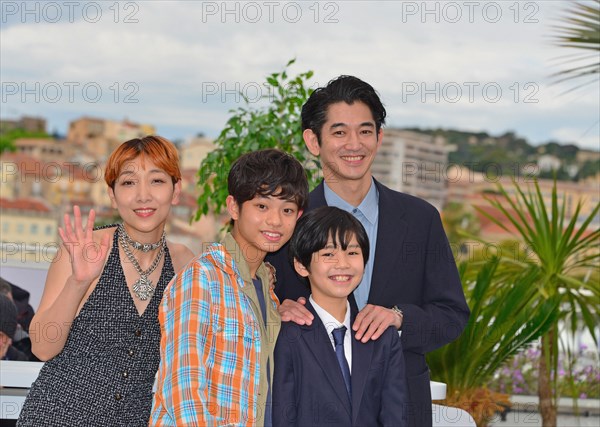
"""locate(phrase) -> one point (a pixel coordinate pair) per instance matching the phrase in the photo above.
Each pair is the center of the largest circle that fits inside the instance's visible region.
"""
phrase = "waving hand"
(87, 256)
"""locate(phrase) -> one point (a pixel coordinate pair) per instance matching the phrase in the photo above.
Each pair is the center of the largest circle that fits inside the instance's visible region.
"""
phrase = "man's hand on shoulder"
(372, 321)
(294, 311)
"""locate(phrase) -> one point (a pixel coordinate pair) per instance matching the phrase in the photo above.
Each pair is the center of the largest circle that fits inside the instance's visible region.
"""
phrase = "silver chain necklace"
(142, 287)
(144, 247)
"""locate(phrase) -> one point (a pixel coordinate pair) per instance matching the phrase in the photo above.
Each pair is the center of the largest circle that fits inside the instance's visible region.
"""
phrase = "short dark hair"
(5, 288)
(268, 172)
(314, 228)
(348, 89)
(8, 316)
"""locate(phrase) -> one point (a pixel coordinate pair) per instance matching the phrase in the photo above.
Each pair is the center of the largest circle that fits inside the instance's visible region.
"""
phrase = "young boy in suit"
(322, 375)
(218, 316)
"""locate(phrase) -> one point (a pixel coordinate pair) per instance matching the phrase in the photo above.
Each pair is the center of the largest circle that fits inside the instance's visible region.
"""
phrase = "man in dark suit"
(313, 384)
(411, 281)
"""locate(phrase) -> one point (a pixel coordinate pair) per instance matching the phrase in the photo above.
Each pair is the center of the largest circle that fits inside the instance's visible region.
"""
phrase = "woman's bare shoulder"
(180, 255)
(100, 233)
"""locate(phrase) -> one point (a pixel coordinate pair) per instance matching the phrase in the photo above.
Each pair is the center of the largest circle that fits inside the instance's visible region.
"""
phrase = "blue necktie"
(338, 339)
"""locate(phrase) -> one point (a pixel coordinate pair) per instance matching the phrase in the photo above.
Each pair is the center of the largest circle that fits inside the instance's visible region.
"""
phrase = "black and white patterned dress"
(105, 372)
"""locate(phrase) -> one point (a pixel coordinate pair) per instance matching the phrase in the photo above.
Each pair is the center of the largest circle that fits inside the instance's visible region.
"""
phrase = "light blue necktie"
(338, 339)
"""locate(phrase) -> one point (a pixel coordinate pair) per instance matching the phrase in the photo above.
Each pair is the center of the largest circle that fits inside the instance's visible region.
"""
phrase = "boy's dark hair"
(5, 288)
(8, 316)
(268, 172)
(348, 89)
(314, 228)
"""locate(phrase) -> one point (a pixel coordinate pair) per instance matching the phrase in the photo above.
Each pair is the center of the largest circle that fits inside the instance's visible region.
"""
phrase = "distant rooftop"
(33, 205)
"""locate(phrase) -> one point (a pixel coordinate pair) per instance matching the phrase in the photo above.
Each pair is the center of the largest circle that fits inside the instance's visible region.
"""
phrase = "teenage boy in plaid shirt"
(218, 317)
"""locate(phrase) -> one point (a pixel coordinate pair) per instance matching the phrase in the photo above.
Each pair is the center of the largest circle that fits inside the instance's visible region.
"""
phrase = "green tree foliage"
(277, 125)
(480, 152)
(579, 31)
(564, 254)
(510, 155)
(566, 152)
(589, 168)
(7, 139)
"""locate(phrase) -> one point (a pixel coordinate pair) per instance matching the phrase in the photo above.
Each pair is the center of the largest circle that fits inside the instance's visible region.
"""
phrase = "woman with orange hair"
(97, 324)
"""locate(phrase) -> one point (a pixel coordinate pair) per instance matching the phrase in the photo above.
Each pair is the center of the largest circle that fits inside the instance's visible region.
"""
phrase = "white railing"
(17, 377)
(15, 380)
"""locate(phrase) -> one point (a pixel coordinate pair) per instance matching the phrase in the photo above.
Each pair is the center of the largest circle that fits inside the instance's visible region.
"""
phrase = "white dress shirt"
(331, 323)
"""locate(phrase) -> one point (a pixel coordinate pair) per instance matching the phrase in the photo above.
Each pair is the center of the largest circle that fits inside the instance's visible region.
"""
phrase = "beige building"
(76, 183)
(469, 188)
(99, 190)
(126, 130)
(88, 135)
(28, 231)
(8, 178)
(99, 137)
(587, 194)
(24, 176)
(414, 163)
(58, 183)
(194, 151)
(26, 123)
(587, 155)
(461, 181)
(47, 149)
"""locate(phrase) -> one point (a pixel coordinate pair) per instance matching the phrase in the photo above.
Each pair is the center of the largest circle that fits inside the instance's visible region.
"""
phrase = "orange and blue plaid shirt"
(214, 345)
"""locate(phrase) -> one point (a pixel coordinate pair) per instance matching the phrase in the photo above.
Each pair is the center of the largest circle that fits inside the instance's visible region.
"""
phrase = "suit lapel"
(361, 360)
(391, 231)
(316, 339)
(317, 197)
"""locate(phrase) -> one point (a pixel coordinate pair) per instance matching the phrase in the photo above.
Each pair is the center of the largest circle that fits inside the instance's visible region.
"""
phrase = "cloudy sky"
(472, 65)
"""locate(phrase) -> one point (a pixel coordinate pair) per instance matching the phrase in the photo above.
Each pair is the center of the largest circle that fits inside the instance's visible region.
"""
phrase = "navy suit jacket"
(414, 269)
(309, 389)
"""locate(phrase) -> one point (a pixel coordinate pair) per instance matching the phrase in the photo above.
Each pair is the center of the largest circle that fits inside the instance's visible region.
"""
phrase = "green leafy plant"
(506, 316)
(564, 253)
(580, 30)
(7, 139)
(277, 125)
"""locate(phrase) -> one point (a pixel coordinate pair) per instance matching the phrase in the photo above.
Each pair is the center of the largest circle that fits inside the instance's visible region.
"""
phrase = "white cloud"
(176, 49)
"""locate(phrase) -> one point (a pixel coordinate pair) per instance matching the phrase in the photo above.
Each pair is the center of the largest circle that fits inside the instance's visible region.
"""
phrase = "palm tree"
(506, 316)
(580, 30)
(460, 223)
(563, 252)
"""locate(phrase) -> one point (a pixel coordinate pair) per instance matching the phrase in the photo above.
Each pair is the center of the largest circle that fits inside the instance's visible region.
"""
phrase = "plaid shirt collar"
(237, 259)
